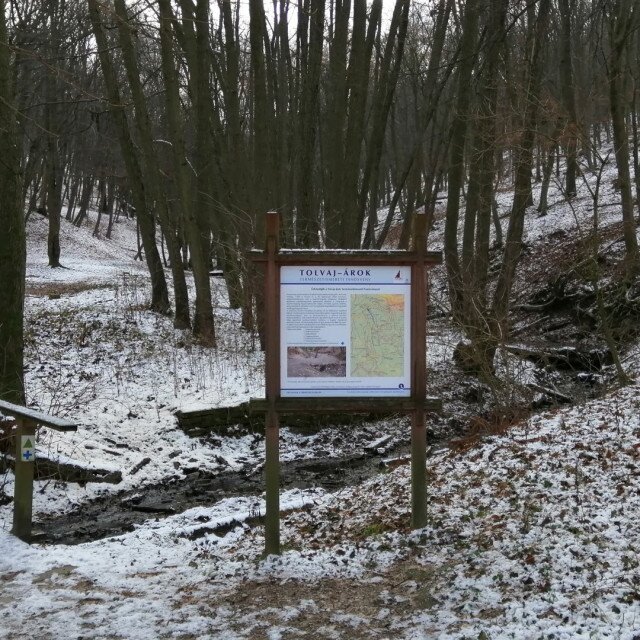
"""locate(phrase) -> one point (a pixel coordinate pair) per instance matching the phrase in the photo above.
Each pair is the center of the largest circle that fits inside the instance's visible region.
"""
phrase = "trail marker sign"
(27, 448)
(25, 453)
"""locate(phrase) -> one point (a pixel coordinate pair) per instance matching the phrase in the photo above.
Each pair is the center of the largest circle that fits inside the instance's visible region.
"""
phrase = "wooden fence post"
(24, 472)
(418, 348)
(272, 386)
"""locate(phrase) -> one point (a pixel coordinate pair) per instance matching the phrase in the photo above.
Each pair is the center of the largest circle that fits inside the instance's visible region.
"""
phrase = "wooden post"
(272, 386)
(419, 374)
(23, 491)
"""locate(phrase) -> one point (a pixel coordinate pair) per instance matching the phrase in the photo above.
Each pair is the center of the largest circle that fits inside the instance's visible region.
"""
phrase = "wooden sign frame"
(272, 258)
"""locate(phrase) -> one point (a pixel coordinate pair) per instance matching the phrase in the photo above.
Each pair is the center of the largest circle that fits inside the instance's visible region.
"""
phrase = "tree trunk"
(151, 170)
(547, 170)
(568, 98)
(73, 194)
(474, 264)
(636, 145)
(456, 174)
(12, 238)
(53, 209)
(621, 21)
(102, 206)
(85, 198)
(239, 232)
(159, 291)
(307, 223)
(336, 112)
(432, 101)
(513, 243)
(389, 72)
(197, 220)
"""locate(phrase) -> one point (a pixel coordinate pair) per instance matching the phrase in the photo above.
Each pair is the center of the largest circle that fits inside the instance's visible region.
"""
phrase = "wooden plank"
(344, 405)
(37, 417)
(205, 423)
(355, 258)
(217, 416)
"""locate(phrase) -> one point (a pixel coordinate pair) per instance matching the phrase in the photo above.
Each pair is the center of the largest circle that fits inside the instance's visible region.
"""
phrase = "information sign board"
(345, 331)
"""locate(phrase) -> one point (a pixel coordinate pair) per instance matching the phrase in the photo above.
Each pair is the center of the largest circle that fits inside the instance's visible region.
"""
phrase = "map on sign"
(345, 331)
(377, 335)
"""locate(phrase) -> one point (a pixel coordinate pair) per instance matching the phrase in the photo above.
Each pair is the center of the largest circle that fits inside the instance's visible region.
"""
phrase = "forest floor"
(533, 501)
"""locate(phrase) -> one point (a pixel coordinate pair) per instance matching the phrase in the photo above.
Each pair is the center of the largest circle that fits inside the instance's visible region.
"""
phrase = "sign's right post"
(419, 375)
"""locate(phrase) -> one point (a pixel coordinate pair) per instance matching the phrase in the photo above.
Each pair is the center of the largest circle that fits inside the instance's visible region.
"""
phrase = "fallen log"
(224, 420)
(215, 419)
(567, 358)
(69, 471)
(552, 393)
(379, 444)
(143, 463)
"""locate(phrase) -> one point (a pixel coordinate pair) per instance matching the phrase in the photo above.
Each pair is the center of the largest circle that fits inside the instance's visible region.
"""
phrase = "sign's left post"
(24, 474)
(272, 385)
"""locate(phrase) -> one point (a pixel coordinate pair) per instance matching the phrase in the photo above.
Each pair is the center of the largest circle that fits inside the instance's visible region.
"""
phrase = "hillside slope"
(533, 529)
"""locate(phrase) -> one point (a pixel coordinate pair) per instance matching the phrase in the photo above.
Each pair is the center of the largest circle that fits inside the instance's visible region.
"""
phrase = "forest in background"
(198, 117)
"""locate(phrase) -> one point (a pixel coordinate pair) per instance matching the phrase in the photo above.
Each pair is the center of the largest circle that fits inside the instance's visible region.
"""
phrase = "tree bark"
(621, 21)
(159, 291)
(388, 78)
(335, 115)
(151, 170)
(12, 238)
(456, 174)
(513, 242)
(307, 226)
(53, 184)
(198, 229)
(433, 96)
(236, 192)
(85, 198)
(568, 98)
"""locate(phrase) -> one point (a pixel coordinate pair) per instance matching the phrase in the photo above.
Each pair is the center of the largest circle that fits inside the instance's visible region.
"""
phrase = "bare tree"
(150, 167)
(159, 291)
(621, 19)
(12, 238)
(568, 96)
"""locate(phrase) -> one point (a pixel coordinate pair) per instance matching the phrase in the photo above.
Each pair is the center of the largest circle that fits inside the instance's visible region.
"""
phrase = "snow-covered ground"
(533, 532)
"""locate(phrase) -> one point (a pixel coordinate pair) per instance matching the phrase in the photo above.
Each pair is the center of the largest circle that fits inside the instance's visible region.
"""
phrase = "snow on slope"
(95, 354)
(533, 533)
(85, 258)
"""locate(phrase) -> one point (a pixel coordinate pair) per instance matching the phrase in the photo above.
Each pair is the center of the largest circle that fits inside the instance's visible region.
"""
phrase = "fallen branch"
(554, 393)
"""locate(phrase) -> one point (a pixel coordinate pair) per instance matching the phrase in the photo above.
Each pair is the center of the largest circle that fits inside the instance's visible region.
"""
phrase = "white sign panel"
(345, 331)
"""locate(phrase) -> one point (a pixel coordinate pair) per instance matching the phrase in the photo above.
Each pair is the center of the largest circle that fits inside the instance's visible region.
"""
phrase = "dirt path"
(337, 608)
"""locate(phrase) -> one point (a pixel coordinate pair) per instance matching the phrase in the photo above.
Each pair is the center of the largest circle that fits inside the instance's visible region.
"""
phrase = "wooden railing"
(27, 421)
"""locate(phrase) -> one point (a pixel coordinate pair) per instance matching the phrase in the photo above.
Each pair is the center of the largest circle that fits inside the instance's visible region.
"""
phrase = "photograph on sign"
(313, 362)
(345, 331)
